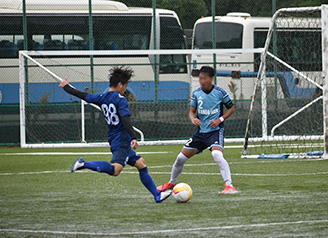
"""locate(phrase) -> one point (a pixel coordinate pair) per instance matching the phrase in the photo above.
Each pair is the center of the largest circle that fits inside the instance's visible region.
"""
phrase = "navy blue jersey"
(114, 106)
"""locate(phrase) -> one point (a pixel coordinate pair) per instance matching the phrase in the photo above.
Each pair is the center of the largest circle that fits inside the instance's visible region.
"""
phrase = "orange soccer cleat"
(229, 189)
(165, 187)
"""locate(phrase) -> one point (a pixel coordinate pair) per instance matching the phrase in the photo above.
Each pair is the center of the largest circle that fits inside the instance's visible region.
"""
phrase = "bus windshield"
(228, 35)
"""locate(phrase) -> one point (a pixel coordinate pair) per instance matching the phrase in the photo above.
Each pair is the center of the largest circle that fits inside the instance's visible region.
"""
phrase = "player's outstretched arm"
(193, 117)
(73, 91)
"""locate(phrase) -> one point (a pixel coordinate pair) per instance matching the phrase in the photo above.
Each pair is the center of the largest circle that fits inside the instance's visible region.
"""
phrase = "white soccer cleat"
(163, 196)
(79, 164)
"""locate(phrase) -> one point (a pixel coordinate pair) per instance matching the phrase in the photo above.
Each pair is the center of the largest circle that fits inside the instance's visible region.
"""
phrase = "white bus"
(64, 25)
(240, 30)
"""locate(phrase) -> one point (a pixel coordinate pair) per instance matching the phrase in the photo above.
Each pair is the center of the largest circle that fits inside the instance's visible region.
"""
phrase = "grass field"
(278, 198)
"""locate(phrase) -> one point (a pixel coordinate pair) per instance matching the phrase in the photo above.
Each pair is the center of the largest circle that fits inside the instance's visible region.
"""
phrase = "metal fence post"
(214, 39)
(25, 48)
(156, 76)
(275, 52)
(91, 46)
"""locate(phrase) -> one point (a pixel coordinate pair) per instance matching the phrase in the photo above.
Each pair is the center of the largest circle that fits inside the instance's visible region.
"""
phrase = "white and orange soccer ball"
(182, 192)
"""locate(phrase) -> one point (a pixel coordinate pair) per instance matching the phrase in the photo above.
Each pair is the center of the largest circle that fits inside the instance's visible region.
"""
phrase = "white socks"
(224, 166)
(219, 159)
(177, 168)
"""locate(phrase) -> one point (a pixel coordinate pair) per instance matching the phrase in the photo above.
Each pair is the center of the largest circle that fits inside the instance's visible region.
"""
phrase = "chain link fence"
(161, 84)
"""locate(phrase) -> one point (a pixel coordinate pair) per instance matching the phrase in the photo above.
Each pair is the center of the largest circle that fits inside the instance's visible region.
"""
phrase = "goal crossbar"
(139, 52)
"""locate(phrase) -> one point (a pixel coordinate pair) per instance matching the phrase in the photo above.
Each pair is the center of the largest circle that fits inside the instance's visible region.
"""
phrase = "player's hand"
(215, 123)
(196, 122)
(64, 83)
(134, 144)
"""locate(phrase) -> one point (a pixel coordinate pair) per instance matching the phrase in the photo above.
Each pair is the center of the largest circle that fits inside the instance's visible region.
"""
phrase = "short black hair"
(207, 69)
(119, 74)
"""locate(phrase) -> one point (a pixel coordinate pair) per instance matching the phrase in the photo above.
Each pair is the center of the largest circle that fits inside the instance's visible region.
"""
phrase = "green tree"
(256, 8)
(139, 3)
(222, 7)
(188, 10)
(191, 10)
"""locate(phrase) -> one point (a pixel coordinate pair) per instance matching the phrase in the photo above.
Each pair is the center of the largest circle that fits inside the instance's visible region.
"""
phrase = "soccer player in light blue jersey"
(206, 112)
(121, 135)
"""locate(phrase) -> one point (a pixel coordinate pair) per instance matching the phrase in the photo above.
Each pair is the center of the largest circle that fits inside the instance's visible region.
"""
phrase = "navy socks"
(100, 166)
(148, 182)
(105, 167)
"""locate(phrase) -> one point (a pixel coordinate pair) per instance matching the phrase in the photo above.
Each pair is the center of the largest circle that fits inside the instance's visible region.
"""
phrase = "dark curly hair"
(120, 74)
(207, 69)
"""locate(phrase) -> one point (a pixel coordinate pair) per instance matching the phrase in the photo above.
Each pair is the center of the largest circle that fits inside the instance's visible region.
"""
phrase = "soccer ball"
(182, 192)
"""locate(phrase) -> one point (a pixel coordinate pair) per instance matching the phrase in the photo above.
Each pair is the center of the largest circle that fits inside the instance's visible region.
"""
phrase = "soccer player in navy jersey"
(206, 112)
(121, 135)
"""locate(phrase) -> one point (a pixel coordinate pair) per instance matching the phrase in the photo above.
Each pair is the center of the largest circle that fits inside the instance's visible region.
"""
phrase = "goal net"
(158, 95)
(286, 114)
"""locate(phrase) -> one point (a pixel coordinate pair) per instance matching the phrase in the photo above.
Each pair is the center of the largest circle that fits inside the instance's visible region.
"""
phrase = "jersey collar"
(208, 92)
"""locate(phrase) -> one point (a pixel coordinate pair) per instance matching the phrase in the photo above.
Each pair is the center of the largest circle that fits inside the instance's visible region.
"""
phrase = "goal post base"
(286, 156)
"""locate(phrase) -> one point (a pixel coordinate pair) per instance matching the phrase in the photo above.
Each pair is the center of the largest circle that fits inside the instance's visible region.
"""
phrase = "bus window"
(122, 33)
(260, 35)
(57, 32)
(228, 35)
(290, 42)
(309, 40)
(11, 32)
(172, 37)
(59, 42)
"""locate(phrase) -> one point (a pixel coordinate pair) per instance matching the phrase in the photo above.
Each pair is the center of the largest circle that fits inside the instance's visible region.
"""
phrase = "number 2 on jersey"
(110, 113)
(200, 104)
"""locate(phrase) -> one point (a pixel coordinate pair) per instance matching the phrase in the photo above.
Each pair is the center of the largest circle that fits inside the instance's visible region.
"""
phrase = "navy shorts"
(201, 141)
(120, 145)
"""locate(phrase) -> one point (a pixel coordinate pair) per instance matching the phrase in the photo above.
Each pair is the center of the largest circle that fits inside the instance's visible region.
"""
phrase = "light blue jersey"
(209, 106)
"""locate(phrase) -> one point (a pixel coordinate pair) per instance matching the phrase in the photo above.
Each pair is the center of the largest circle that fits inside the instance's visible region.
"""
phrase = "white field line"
(168, 173)
(282, 145)
(233, 174)
(183, 230)
(161, 152)
(82, 153)
(39, 172)
(245, 162)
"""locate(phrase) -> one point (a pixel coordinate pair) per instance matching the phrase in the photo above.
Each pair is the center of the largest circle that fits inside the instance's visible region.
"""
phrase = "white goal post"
(289, 141)
(324, 17)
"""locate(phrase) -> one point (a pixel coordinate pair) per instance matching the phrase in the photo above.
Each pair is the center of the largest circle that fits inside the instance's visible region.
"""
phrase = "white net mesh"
(293, 115)
(159, 107)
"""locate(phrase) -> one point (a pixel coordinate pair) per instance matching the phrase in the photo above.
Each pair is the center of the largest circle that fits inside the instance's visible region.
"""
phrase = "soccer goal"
(288, 116)
(158, 95)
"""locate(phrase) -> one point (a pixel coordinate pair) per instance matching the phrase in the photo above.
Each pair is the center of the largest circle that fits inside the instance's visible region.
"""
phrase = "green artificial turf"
(277, 198)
